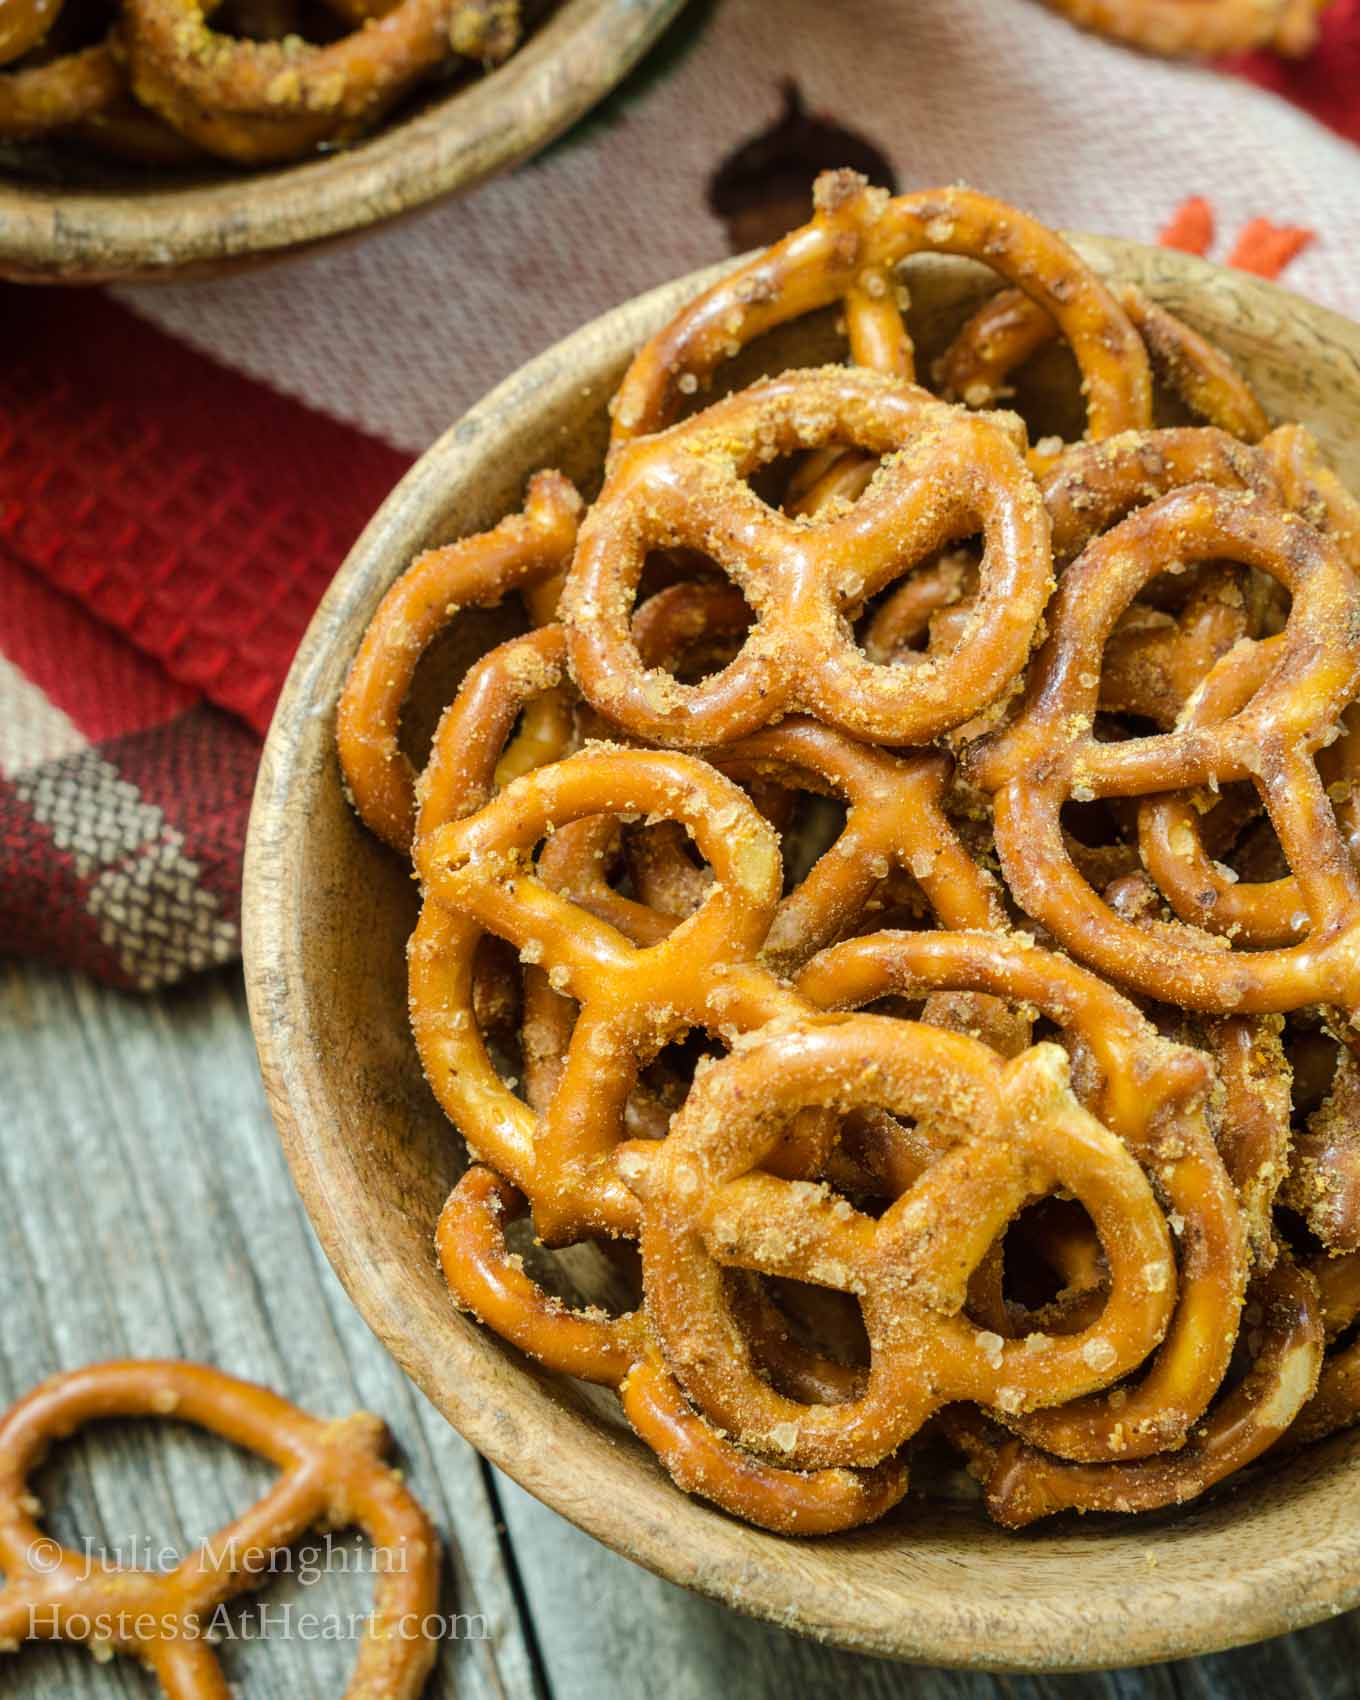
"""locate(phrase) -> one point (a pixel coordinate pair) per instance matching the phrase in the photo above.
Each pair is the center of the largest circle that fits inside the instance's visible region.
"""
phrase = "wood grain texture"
(123, 1116)
(157, 229)
(327, 914)
(145, 1210)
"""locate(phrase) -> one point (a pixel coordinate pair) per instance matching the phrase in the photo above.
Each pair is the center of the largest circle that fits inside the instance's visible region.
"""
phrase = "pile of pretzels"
(899, 897)
(256, 82)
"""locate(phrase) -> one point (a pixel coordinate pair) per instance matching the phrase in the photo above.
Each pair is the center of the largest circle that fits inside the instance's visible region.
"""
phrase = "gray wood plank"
(146, 1210)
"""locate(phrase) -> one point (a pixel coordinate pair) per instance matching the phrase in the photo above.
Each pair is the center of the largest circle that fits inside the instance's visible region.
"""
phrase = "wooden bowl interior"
(328, 911)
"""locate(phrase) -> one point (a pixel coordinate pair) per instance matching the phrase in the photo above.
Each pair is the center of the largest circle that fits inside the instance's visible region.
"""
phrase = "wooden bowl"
(328, 911)
(65, 221)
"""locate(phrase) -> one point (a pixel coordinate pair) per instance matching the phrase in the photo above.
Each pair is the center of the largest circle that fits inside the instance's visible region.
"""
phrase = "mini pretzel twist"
(848, 253)
(894, 823)
(1305, 680)
(1093, 486)
(947, 476)
(38, 98)
(333, 1476)
(1284, 1334)
(487, 1280)
(1012, 1130)
(634, 999)
(522, 552)
(260, 101)
(1148, 1092)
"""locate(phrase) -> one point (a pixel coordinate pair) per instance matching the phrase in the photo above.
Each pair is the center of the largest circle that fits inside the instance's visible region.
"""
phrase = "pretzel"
(1254, 1135)
(1009, 329)
(524, 550)
(848, 253)
(486, 1280)
(1284, 1330)
(38, 98)
(1200, 28)
(1049, 755)
(256, 102)
(1323, 1184)
(1151, 1094)
(894, 823)
(948, 474)
(333, 1476)
(23, 25)
(1013, 1129)
(1311, 488)
(1203, 891)
(1092, 487)
(1336, 1403)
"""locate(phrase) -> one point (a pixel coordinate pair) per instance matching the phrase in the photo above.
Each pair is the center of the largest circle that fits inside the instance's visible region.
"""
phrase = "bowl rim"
(1158, 1620)
(565, 67)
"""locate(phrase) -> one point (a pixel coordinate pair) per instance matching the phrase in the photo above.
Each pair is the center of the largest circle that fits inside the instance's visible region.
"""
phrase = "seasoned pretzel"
(24, 24)
(1199, 28)
(1050, 755)
(1012, 1130)
(333, 1476)
(259, 101)
(1148, 1092)
(849, 252)
(1254, 1134)
(488, 1281)
(1323, 1184)
(1009, 329)
(895, 822)
(1093, 486)
(1205, 892)
(38, 98)
(1284, 1333)
(523, 550)
(634, 1000)
(948, 475)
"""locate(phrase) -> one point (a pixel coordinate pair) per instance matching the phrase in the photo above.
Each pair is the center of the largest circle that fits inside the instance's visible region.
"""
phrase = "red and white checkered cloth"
(182, 469)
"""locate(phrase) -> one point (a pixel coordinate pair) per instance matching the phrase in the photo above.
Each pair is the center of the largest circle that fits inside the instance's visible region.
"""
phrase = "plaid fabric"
(168, 522)
(166, 528)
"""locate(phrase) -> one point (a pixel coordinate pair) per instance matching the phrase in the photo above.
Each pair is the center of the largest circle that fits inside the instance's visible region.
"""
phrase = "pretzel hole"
(1046, 392)
(1051, 1248)
(1313, 1056)
(116, 1487)
(796, 1328)
(924, 610)
(689, 618)
(594, 1275)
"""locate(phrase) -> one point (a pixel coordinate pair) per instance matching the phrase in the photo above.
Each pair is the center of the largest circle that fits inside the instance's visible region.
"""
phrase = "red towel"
(166, 528)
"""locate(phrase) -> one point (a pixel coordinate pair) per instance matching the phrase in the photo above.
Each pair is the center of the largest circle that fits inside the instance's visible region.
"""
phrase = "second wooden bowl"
(328, 912)
(146, 224)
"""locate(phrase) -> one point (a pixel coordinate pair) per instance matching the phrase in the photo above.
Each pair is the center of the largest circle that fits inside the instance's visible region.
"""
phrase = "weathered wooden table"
(146, 1210)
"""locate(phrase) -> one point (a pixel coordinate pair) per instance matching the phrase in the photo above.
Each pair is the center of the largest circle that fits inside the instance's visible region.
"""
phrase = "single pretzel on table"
(1284, 699)
(333, 1476)
(947, 475)
(848, 253)
(259, 101)
(1200, 28)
